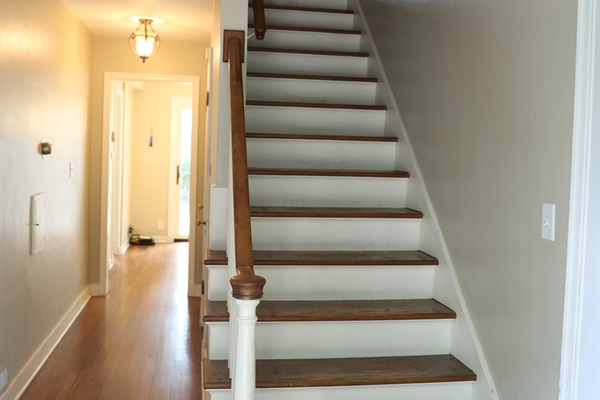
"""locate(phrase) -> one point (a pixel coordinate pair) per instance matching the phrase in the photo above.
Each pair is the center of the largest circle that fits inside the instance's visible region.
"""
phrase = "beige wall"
(114, 55)
(150, 165)
(486, 92)
(46, 93)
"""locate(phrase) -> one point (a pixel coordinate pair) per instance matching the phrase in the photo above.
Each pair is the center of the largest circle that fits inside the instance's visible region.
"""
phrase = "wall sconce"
(144, 41)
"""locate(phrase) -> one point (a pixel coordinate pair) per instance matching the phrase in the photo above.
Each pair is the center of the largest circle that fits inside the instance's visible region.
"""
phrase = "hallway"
(143, 341)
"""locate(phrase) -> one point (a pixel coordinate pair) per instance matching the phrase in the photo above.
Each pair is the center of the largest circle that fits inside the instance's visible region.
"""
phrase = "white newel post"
(244, 376)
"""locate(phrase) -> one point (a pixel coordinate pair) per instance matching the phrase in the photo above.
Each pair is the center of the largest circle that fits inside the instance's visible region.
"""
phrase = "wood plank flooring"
(142, 341)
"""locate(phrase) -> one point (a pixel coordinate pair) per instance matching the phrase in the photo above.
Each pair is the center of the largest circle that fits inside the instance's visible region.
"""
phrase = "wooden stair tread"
(309, 9)
(345, 372)
(327, 172)
(308, 51)
(329, 258)
(337, 310)
(311, 77)
(298, 136)
(333, 212)
(314, 105)
(307, 29)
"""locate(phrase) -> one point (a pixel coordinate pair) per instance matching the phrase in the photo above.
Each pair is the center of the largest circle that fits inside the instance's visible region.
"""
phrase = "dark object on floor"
(135, 238)
(141, 240)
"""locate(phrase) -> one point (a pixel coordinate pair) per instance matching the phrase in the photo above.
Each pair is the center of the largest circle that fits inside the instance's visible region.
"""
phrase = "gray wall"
(485, 90)
(45, 93)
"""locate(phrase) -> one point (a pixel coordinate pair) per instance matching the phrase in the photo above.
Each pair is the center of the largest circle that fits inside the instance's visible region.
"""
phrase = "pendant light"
(144, 41)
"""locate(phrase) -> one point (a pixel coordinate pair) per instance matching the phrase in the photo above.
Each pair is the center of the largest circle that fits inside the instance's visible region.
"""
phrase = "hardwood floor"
(143, 341)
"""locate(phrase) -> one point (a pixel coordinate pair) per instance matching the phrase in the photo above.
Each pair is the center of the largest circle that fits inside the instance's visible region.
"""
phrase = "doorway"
(180, 163)
(131, 176)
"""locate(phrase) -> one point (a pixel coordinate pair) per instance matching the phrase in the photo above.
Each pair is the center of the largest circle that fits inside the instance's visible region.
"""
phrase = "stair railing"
(247, 287)
(260, 23)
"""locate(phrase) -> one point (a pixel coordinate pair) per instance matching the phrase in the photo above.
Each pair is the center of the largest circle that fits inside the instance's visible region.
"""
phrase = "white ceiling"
(183, 19)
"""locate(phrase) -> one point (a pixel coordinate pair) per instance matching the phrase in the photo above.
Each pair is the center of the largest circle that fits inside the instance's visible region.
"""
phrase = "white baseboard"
(194, 289)
(124, 247)
(39, 357)
(98, 289)
(162, 239)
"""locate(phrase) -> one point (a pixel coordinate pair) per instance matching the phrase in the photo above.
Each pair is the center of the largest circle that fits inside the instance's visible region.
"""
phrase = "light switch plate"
(548, 221)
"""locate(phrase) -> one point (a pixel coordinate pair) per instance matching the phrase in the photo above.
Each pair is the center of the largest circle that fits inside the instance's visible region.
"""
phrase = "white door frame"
(117, 170)
(580, 364)
(101, 288)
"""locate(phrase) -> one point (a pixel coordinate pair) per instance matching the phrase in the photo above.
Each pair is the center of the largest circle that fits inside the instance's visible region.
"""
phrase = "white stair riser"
(432, 391)
(335, 234)
(305, 340)
(308, 19)
(321, 154)
(311, 91)
(307, 64)
(333, 4)
(320, 191)
(333, 283)
(314, 120)
(308, 40)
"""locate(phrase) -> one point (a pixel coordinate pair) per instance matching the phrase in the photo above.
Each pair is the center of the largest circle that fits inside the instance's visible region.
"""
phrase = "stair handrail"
(260, 22)
(247, 287)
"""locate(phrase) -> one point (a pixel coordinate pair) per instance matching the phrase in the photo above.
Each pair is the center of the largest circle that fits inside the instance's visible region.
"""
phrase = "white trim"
(99, 289)
(469, 347)
(586, 92)
(162, 239)
(39, 357)
(124, 247)
(194, 289)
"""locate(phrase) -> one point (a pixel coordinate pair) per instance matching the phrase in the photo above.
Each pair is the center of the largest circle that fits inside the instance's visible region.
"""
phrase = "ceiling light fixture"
(144, 41)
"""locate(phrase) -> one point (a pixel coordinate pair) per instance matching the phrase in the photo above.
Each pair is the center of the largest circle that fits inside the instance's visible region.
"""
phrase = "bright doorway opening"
(181, 150)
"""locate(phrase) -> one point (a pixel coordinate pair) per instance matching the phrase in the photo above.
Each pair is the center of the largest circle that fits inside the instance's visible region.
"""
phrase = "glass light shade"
(144, 41)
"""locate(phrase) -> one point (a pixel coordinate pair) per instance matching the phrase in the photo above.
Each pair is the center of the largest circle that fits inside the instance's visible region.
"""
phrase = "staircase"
(348, 310)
